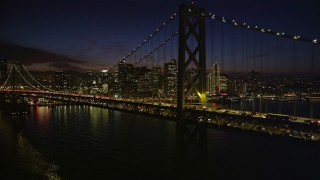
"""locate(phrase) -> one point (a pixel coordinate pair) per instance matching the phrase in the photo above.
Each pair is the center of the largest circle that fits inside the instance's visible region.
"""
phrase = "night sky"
(93, 34)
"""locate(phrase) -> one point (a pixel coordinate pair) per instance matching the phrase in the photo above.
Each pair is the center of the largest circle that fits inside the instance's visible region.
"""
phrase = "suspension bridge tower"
(192, 54)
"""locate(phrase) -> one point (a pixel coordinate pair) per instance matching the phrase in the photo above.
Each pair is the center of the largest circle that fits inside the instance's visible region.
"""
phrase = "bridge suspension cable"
(146, 40)
(258, 29)
(158, 47)
(35, 79)
(14, 68)
(25, 79)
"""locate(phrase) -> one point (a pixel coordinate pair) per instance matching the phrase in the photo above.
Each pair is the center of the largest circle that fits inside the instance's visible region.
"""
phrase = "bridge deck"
(273, 124)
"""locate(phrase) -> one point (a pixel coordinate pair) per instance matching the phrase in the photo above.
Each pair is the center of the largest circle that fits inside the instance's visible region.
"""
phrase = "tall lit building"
(213, 80)
(103, 81)
(223, 84)
(170, 78)
(3, 69)
(154, 80)
(59, 80)
(124, 71)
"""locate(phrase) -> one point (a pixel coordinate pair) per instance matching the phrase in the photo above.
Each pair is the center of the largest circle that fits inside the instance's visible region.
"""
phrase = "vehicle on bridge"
(280, 117)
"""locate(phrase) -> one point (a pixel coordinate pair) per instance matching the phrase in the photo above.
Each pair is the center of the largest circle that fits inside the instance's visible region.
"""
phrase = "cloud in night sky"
(32, 57)
(95, 34)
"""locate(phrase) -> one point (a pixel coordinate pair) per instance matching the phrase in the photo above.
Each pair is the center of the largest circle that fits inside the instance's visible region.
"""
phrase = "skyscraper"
(170, 78)
(154, 80)
(213, 80)
(124, 70)
(61, 81)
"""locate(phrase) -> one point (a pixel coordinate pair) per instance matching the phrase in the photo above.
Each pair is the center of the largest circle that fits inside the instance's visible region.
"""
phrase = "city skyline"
(83, 35)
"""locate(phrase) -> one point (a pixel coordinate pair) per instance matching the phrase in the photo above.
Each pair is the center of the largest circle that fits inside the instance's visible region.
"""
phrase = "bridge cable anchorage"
(26, 80)
(35, 79)
(158, 47)
(146, 40)
(7, 79)
(261, 30)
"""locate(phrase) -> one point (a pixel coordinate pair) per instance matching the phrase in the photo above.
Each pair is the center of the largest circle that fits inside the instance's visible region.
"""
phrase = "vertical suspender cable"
(171, 43)
(276, 56)
(246, 51)
(222, 47)
(164, 48)
(293, 57)
(158, 51)
(261, 55)
(242, 51)
(254, 51)
(267, 48)
(235, 49)
(312, 59)
(212, 43)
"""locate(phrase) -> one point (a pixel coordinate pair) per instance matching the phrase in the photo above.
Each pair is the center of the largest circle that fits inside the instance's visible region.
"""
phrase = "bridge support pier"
(191, 55)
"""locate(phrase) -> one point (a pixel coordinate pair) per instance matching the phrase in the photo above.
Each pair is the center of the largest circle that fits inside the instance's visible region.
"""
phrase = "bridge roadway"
(267, 123)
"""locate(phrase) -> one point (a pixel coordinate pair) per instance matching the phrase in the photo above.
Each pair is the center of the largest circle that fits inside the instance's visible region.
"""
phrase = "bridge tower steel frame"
(191, 28)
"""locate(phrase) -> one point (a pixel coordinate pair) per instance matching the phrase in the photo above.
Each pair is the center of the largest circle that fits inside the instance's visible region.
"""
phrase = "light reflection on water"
(82, 142)
(19, 159)
(30, 160)
(99, 142)
(295, 108)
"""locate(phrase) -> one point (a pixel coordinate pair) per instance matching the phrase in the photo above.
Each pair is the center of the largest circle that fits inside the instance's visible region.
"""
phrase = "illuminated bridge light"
(296, 37)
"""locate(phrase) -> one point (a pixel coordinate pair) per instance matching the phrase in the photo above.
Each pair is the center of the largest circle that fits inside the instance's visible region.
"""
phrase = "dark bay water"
(83, 142)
